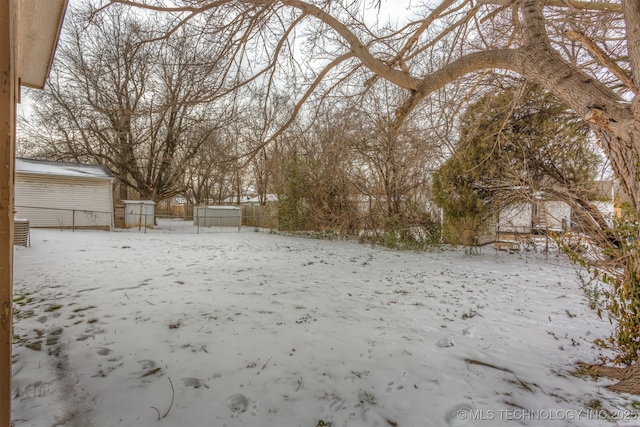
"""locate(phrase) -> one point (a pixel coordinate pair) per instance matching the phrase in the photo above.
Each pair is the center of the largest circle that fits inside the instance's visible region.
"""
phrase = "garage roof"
(43, 167)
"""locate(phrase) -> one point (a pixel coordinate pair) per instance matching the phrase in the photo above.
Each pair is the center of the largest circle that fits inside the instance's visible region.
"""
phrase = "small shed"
(217, 216)
(139, 213)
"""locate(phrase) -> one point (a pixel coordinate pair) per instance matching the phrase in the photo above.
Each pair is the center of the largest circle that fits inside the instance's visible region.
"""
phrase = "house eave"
(37, 29)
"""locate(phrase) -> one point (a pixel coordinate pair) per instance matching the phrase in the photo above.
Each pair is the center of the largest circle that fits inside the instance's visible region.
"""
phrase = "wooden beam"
(7, 162)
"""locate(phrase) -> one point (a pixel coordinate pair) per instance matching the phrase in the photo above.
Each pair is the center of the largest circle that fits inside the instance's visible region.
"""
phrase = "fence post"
(546, 245)
(73, 220)
(253, 216)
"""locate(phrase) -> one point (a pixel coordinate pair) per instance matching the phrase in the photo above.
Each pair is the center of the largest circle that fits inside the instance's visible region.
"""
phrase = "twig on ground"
(265, 365)
(173, 395)
(500, 368)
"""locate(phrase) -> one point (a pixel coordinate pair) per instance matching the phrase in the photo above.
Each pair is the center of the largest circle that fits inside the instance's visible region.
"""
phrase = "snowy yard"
(254, 329)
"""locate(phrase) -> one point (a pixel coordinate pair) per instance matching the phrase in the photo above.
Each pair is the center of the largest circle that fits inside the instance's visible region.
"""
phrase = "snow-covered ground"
(248, 328)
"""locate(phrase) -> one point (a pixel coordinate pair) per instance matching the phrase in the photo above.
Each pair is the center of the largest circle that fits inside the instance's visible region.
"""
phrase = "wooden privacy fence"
(259, 216)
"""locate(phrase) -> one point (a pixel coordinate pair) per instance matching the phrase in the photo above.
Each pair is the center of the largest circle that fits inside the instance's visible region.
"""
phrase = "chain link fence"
(80, 219)
(75, 219)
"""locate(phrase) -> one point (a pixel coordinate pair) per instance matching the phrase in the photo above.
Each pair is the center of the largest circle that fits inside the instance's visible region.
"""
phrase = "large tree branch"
(544, 65)
(435, 14)
(358, 48)
(574, 4)
(632, 21)
(154, 8)
(604, 59)
(499, 59)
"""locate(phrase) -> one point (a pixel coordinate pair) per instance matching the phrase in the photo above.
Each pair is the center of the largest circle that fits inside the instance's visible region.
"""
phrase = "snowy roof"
(269, 198)
(181, 200)
(218, 207)
(251, 199)
(138, 202)
(43, 167)
(232, 199)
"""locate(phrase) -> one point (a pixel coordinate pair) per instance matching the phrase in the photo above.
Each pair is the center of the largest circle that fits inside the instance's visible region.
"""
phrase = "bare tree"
(394, 164)
(141, 109)
(452, 40)
(209, 176)
(257, 119)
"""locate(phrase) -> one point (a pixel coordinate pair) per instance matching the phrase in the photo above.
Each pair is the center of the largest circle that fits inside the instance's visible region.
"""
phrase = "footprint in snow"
(147, 364)
(195, 383)
(372, 418)
(444, 343)
(475, 370)
(468, 332)
(237, 403)
(84, 337)
(391, 384)
(459, 414)
(336, 405)
(254, 409)
(103, 351)
(400, 405)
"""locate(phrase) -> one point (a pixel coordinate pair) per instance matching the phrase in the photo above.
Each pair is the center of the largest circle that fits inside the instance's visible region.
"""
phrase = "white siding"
(55, 201)
(607, 211)
(217, 216)
(558, 214)
(516, 218)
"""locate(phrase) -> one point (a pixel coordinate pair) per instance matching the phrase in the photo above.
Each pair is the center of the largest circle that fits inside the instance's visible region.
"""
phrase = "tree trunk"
(628, 378)
(617, 123)
(624, 153)
(123, 191)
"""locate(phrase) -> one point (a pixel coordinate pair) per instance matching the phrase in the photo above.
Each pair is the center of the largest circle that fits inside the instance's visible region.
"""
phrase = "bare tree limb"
(603, 58)
(580, 5)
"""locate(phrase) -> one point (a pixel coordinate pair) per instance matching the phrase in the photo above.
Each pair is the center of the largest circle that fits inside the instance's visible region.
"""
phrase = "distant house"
(251, 200)
(527, 217)
(63, 195)
(174, 207)
(551, 215)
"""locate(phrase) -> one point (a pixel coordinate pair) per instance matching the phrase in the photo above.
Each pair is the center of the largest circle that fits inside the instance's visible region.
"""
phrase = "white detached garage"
(64, 195)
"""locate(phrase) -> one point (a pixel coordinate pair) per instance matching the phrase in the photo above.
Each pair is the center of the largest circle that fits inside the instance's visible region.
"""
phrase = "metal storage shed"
(64, 195)
(139, 213)
(217, 216)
